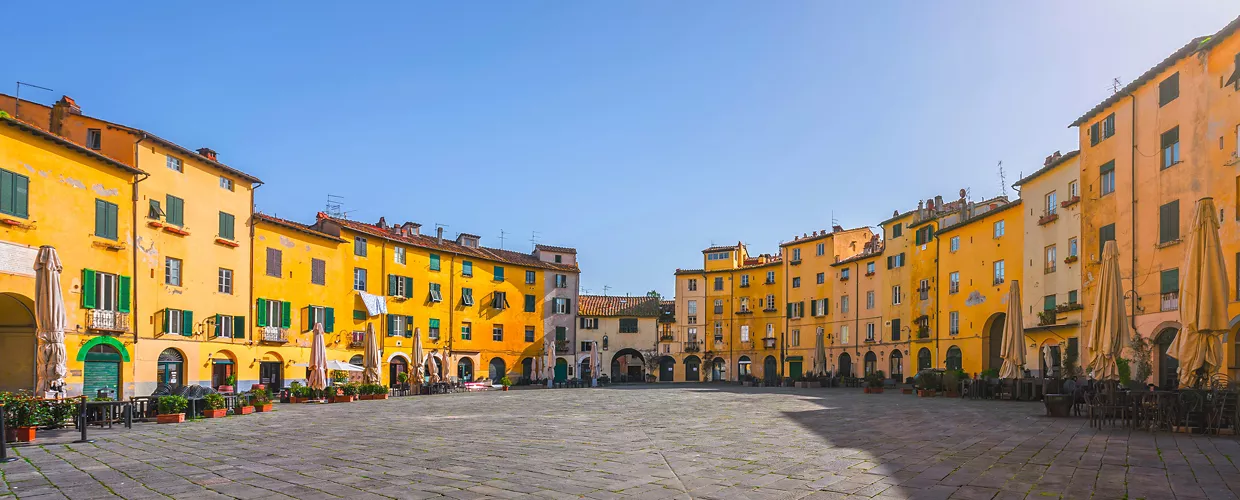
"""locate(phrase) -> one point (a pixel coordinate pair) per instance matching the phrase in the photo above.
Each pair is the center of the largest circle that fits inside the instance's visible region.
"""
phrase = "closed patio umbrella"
(549, 353)
(370, 365)
(50, 314)
(820, 355)
(1013, 348)
(1203, 300)
(1109, 329)
(418, 358)
(318, 360)
(1049, 360)
(432, 367)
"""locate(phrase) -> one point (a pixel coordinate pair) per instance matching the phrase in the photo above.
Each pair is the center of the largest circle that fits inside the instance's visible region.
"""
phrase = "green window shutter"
(218, 325)
(286, 313)
(359, 315)
(434, 262)
(789, 309)
(165, 315)
(392, 284)
(238, 327)
(408, 287)
(329, 320)
(409, 326)
(226, 226)
(187, 323)
(101, 218)
(530, 303)
(122, 292)
(88, 289)
(390, 324)
(176, 211)
(1170, 281)
(1048, 303)
(21, 196)
(1106, 167)
(261, 316)
(6, 191)
(113, 231)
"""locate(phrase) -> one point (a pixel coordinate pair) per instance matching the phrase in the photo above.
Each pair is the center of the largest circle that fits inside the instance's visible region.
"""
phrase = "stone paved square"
(667, 441)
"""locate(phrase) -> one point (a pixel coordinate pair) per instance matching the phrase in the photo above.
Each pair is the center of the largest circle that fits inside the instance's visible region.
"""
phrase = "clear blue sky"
(638, 131)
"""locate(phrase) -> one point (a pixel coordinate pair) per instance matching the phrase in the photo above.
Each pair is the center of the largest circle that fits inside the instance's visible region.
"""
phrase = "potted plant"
(344, 393)
(23, 413)
(261, 401)
(505, 382)
(242, 406)
(372, 391)
(229, 382)
(927, 383)
(404, 380)
(215, 406)
(874, 382)
(171, 409)
(951, 382)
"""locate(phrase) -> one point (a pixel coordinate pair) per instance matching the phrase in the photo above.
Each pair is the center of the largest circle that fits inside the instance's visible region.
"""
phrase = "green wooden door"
(101, 375)
(794, 370)
(561, 370)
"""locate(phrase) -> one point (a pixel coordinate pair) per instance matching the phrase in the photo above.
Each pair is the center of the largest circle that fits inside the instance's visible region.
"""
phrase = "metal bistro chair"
(1222, 414)
(1191, 407)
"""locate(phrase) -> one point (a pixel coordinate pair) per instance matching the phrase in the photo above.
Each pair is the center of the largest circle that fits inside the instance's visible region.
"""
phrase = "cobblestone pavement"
(681, 441)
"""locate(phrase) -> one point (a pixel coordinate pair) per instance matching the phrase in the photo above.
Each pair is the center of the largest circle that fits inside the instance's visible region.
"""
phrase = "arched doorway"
(527, 368)
(845, 365)
(626, 366)
(955, 359)
(584, 369)
(561, 369)
(397, 366)
(1168, 367)
(770, 369)
(667, 369)
(692, 365)
(718, 370)
(897, 366)
(101, 373)
(18, 343)
(271, 372)
(496, 370)
(743, 368)
(465, 370)
(994, 342)
(170, 368)
(871, 363)
(924, 359)
(223, 368)
(1049, 358)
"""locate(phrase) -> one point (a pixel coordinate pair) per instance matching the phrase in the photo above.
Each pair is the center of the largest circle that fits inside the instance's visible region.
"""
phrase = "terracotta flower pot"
(220, 413)
(906, 391)
(172, 418)
(505, 388)
(246, 410)
(225, 388)
(25, 434)
(925, 394)
(10, 435)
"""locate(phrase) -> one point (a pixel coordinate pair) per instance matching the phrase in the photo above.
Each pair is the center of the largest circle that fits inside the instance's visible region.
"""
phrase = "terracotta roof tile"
(296, 226)
(550, 248)
(610, 305)
(33, 130)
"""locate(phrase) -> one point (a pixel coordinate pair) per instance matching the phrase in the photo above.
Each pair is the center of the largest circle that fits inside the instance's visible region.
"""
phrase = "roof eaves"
(978, 217)
(1192, 46)
(261, 217)
(33, 130)
(194, 154)
(1061, 161)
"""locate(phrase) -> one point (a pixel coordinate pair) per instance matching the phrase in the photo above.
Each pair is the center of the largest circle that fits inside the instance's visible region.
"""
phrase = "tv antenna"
(533, 239)
(605, 289)
(17, 97)
(501, 239)
(1002, 179)
(1115, 85)
(334, 204)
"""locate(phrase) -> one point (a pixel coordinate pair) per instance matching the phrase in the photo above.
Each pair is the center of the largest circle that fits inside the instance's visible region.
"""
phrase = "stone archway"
(667, 369)
(1168, 367)
(994, 341)
(693, 368)
(170, 368)
(925, 360)
(896, 370)
(627, 365)
(871, 363)
(845, 365)
(18, 343)
(496, 369)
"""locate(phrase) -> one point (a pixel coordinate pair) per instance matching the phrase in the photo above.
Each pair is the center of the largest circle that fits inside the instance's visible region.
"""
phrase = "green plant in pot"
(505, 382)
(403, 378)
(242, 405)
(260, 400)
(171, 409)
(215, 406)
(874, 382)
(1140, 366)
(23, 413)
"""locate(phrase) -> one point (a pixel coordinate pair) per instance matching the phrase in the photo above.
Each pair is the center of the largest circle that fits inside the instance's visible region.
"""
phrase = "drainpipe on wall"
(1132, 282)
(938, 299)
(134, 307)
(783, 341)
(251, 305)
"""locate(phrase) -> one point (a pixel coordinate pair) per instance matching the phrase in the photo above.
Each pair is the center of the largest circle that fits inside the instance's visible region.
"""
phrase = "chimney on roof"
(60, 111)
(382, 223)
(439, 235)
(938, 202)
(410, 229)
(207, 153)
(837, 228)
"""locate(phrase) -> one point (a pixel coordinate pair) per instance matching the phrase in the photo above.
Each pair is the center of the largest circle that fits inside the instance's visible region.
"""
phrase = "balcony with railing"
(274, 334)
(107, 321)
(357, 339)
(1170, 301)
(1047, 317)
(693, 346)
(667, 337)
(768, 342)
(561, 347)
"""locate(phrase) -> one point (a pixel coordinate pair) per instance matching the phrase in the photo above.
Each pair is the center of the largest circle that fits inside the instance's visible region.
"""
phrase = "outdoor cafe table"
(105, 413)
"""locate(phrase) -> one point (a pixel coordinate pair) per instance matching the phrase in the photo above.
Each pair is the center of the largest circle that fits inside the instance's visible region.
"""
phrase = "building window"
(796, 282)
(398, 255)
(1048, 303)
(744, 304)
(561, 305)
(953, 282)
(953, 244)
(796, 254)
(226, 183)
(1051, 204)
(869, 268)
(531, 303)
(845, 273)
(718, 306)
(400, 286)
(895, 329)
(1170, 147)
(274, 263)
(94, 138)
(435, 293)
(432, 327)
(820, 278)
(923, 235)
(770, 277)
(719, 332)
(227, 222)
(719, 256)
(589, 323)
(561, 281)
(359, 279)
(895, 295)
(174, 163)
(226, 281)
(104, 291)
(1168, 89)
(467, 296)
(923, 290)
(1105, 233)
(497, 333)
(172, 271)
(692, 309)
(869, 332)
(844, 304)
(1102, 129)
(1072, 297)
(467, 332)
(953, 323)
(796, 338)
(175, 322)
(105, 220)
(1072, 248)
(770, 302)
(559, 259)
(499, 274)
(499, 301)
(718, 284)
(897, 230)
(359, 246)
(820, 249)
(434, 266)
(529, 330)
(1169, 222)
(1074, 189)
(1050, 260)
(998, 266)
(530, 276)
(14, 194)
(843, 334)
(1169, 288)
(175, 214)
(225, 326)
(894, 261)
(628, 325)
(999, 228)
(744, 280)
(1107, 177)
(692, 285)
(869, 299)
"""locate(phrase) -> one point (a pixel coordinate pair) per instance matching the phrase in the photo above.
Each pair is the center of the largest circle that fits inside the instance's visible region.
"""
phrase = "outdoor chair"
(1223, 405)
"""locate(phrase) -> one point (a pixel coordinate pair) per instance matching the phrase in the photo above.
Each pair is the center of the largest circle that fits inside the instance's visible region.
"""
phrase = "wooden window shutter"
(329, 320)
(307, 323)
(408, 287)
(392, 284)
(1169, 222)
(122, 292)
(1170, 281)
(261, 314)
(409, 326)
(286, 313)
(187, 323)
(391, 325)
(88, 289)
(218, 325)
(238, 327)
(165, 314)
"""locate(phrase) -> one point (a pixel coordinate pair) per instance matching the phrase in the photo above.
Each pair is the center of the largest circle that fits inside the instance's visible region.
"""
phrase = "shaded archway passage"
(718, 370)
(742, 367)
(397, 366)
(465, 369)
(770, 369)
(1168, 366)
(845, 365)
(692, 368)
(626, 366)
(561, 369)
(897, 365)
(994, 342)
(496, 369)
(925, 360)
(667, 369)
(871, 363)
(18, 343)
(955, 359)
(527, 368)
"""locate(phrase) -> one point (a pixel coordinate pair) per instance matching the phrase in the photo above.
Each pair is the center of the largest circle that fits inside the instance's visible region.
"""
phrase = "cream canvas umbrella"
(1108, 331)
(370, 364)
(1049, 360)
(549, 363)
(50, 314)
(1013, 348)
(433, 367)
(1203, 300)
(418, 358)
(820, 355)
(318, 360)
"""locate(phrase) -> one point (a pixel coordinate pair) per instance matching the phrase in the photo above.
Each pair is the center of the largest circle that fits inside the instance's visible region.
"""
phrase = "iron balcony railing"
(561, 347)
(357, 339)
(274, 334)
(108, 321)
(1170, 301)
(693, 346)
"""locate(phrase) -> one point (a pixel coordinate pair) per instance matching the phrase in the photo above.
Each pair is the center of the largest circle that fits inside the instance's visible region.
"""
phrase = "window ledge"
(106, 244)
(155, 223)
(8, 221)
(1173, 164)
(1170, 243)
(179, 231)
(227, 242)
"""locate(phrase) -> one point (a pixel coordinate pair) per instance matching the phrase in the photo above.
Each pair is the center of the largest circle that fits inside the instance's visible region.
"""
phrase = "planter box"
(1058, 405)
(24, 434)
(873, 390)
(951, 394)
(174, 418)
(369, 397)
(220, 413)
(296, 400)
(341, 399)
(263, 408)
(925, 394)
(225, 388)
(245, 410)
(906, 391)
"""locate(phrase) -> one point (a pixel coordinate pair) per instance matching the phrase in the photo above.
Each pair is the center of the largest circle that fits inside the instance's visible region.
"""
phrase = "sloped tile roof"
(38, 132)
(610, 305)
(1062, 159)
(296, 226)
(550, 248)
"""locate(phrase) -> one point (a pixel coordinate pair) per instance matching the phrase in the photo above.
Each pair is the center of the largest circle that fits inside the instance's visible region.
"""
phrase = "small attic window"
(467, 240)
